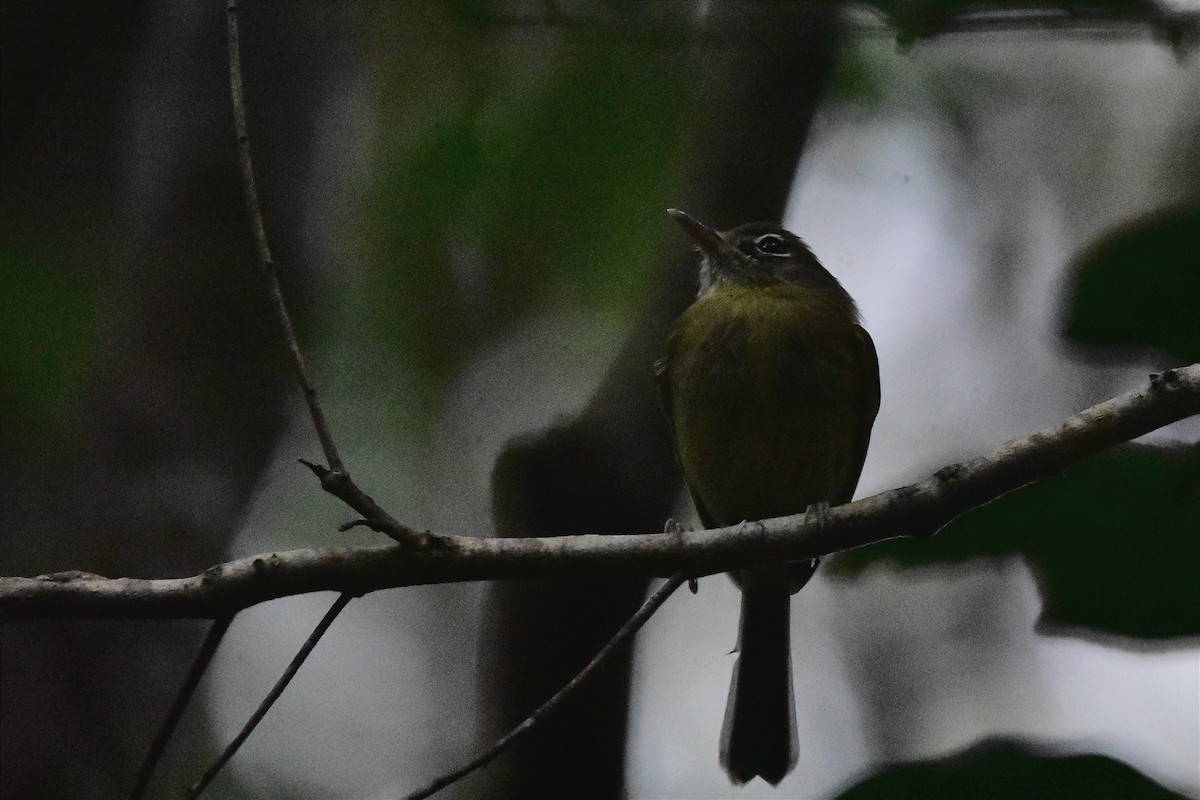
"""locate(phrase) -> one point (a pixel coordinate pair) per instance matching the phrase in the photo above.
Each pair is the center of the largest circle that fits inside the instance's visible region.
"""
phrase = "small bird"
(771, 387)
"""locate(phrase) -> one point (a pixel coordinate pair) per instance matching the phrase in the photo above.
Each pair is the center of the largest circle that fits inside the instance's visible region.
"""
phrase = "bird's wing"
(868, 398)
(662, 382)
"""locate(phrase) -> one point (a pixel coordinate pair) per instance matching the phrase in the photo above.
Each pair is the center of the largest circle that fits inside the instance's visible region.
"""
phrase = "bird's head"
(754, 254)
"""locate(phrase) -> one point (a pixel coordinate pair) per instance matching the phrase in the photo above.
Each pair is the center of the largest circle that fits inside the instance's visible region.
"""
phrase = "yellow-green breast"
(771, 391)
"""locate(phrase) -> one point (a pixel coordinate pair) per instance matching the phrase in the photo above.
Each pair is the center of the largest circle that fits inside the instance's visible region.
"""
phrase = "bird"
(771, 387)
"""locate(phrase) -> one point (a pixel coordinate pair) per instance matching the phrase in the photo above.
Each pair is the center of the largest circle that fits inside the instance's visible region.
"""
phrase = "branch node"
(950, 473)
(336, 480)
(317, 469)
(674, 528)
(68, 576)
(1164, 381)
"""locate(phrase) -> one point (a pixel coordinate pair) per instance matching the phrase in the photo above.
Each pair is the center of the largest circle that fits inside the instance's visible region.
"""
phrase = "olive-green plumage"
(771, 387)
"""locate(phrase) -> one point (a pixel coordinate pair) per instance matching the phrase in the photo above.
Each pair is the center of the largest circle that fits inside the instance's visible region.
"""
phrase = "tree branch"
(335, 478)
(916, 510)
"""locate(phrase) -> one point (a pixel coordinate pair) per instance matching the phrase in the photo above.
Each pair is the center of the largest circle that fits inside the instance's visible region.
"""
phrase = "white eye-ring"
(772, 244)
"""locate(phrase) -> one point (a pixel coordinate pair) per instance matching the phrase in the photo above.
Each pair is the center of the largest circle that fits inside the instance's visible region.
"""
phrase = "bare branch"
(652, 604)
(209, 647)
(237, 92)
(916, 510)
(335, 479)
(275, 693)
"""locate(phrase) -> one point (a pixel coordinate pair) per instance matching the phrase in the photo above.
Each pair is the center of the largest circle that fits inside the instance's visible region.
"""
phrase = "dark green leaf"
(1138, 287)
(1002, 770)
(49, 311)
(511, 178)
(1114, 543)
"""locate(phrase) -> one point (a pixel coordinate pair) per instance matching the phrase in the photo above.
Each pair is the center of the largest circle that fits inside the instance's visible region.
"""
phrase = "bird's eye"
(772, 244)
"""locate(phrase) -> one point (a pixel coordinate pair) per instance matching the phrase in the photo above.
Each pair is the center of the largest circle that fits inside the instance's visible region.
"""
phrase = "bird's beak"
(709, 240)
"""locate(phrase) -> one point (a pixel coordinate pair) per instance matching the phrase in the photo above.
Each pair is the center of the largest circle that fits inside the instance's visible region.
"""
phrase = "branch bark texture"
(916, 510)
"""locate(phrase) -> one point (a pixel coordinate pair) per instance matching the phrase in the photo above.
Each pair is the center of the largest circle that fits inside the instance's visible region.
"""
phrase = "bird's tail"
(759, 734)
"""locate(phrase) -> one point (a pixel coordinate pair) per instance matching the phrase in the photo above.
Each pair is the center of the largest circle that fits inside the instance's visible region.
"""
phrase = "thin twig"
(335, 478)
(268, 701)
(627, 630)
(237, 93)
(216, 633)
(917, 509)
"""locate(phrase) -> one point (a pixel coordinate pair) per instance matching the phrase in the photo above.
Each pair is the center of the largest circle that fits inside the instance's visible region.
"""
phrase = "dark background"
(466, 200)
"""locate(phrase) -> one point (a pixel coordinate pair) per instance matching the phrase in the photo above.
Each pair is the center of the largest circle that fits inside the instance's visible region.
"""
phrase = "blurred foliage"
(49, 315)
(917, 19)
(1138, 286)
(1001, 770)
(861, 77)
(1114, 543)
(513, 171)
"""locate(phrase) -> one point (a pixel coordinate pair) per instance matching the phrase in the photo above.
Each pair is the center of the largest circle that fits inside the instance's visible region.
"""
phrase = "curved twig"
(335, 478)
(639, 618)
(275, 693)
(216, 633)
